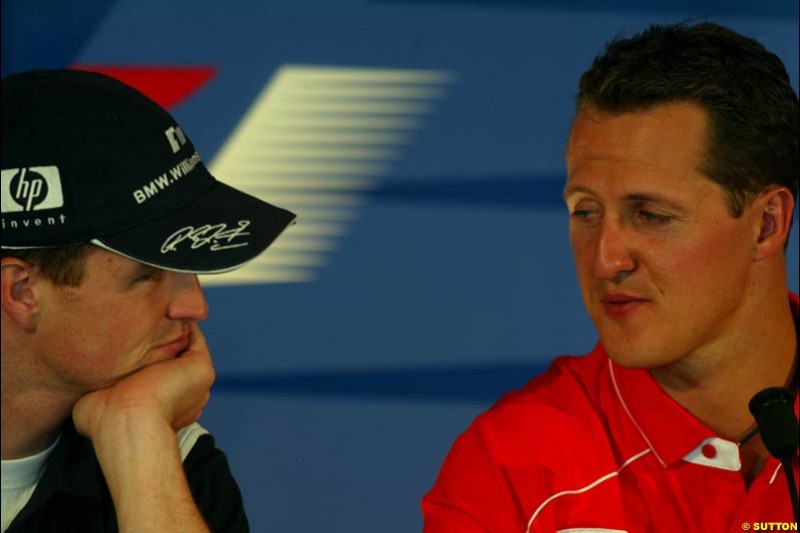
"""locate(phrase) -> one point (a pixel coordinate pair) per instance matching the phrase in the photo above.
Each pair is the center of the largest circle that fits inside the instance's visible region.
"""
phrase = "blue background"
(337, 398)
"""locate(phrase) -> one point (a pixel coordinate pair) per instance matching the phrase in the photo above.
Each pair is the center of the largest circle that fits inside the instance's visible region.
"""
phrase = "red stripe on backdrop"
(166, 85)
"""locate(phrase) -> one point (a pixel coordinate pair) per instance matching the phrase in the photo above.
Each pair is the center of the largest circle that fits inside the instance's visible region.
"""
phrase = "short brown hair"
(744, 88)
(63, 266)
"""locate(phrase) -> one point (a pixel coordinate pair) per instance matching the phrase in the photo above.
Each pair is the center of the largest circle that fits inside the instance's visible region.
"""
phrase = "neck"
(31, 416)
(720, 396)
(716, 383)
(25, 431)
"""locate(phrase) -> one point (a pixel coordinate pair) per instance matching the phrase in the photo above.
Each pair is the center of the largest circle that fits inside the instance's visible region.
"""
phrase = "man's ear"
(776, 206)
(16, 293)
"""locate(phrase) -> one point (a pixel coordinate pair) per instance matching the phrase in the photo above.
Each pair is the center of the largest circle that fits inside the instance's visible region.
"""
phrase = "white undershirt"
(20, 476)
(19, 480)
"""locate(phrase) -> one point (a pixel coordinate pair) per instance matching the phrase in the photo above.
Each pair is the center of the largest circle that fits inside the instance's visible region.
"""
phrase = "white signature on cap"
(217, 235)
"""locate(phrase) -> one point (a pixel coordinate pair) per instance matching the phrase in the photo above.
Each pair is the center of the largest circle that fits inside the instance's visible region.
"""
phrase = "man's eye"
(653, 218)
(150, 276)
(585, 214)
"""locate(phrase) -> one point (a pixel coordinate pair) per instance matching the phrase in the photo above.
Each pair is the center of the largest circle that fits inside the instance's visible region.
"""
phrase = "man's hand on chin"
(174, 391)
(132, 425)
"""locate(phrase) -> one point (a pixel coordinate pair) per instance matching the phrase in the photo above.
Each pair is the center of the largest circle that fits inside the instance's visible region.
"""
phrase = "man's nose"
(187, 300)
(613, 255)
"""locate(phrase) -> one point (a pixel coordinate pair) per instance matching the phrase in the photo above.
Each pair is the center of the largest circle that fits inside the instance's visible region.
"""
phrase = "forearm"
(142, 466)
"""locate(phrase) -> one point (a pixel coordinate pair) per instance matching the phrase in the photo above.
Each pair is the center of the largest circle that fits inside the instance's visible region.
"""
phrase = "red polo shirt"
(593, 446)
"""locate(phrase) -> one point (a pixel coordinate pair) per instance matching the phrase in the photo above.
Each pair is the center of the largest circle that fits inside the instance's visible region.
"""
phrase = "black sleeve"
(214, 489)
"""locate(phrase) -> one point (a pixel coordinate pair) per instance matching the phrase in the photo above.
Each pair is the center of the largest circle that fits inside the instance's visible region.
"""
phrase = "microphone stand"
(773, 409)
(787, 468)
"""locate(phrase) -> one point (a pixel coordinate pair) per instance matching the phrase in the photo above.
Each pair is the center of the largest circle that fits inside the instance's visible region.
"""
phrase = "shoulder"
(568, 382)
(543, 424)
(564, 402)
(520, 451)
(200, 455)
(213, 486)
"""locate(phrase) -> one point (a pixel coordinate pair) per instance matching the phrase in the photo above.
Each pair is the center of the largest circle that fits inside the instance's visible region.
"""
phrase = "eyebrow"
(570, 191)
(657, 199)
(633, 197)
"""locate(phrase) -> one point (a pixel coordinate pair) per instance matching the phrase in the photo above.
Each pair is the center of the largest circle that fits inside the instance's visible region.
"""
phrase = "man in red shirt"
(682, 168)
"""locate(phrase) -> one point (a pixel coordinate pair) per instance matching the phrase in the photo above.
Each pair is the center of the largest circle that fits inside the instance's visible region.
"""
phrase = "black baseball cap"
(88, 159)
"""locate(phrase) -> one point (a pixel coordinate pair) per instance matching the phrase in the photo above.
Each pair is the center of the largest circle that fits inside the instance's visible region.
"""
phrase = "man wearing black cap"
(108, 215)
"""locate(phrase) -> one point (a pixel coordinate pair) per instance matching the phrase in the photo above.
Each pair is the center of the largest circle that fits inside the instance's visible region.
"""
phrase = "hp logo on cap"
(30, 189)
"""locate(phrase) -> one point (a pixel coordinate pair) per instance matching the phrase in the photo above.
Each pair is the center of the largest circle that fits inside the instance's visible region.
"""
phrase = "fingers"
(198, 358)
(198, 340)
(197, 343)
(191, 416)
(86, 414)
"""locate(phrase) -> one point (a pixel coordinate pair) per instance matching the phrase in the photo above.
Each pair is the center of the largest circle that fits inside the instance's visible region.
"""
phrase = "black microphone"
(773, 409)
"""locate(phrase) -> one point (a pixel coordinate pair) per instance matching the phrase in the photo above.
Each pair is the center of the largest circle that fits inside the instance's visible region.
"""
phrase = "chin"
(628, 353)
(629, 361)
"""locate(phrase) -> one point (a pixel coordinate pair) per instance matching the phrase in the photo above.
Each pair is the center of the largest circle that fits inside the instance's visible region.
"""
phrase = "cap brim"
(221, 231)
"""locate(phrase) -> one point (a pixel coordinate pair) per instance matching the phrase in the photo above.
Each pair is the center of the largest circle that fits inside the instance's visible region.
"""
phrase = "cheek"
(121, 332)
(583, 255)
(710, 265)
(92, 344)
(96, 345)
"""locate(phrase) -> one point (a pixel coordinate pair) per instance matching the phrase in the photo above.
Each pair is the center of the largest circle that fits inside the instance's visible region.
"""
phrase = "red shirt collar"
(669, 430)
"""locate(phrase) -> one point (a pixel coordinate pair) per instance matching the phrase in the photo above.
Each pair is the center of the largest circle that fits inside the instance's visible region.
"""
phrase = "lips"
(619, 305)
(176, 345)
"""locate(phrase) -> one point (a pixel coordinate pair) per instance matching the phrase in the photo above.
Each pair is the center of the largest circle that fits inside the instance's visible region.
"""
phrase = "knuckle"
(209, 376)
